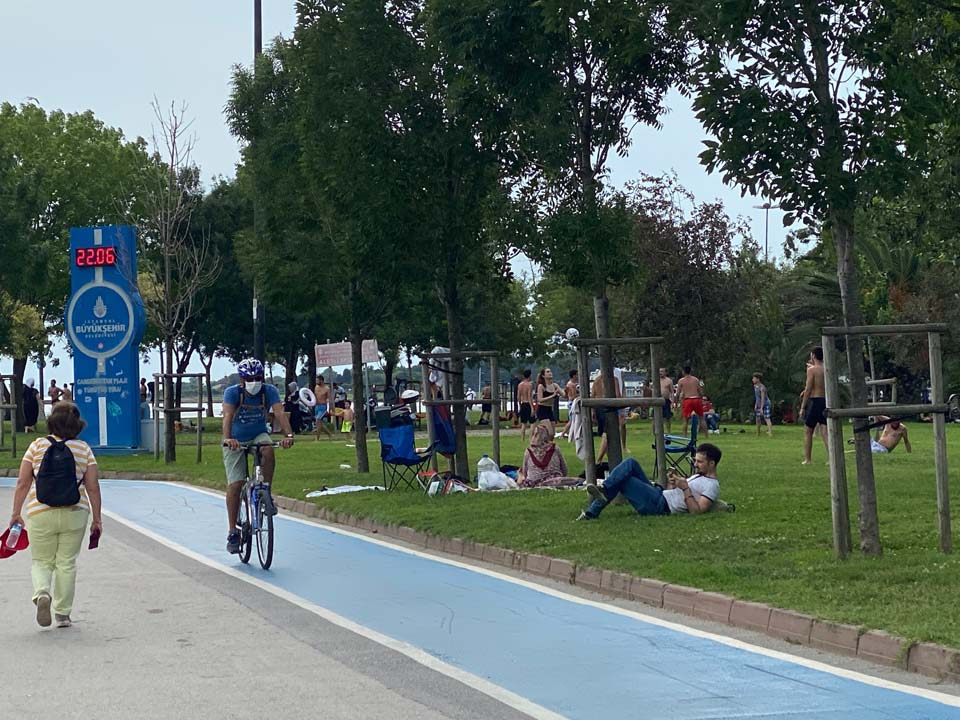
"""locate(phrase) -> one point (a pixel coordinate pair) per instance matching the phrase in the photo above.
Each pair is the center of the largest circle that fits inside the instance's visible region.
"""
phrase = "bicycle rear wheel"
(245, 526)
(264, 532)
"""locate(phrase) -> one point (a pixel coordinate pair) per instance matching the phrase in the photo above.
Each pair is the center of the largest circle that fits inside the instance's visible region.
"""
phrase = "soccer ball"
(572, 333)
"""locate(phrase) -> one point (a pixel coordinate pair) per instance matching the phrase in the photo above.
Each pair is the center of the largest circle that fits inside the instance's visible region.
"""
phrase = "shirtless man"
(321, 411)
(666, 392)
(893, 432)
(813, 404)
(66, 394)
(525, 398)
(689, 397)
(53, 392)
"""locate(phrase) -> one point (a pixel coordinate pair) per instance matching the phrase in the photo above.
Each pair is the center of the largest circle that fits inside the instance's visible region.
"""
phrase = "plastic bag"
(489, 476)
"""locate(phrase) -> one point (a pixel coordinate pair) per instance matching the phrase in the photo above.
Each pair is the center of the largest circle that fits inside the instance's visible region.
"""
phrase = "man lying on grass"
(694, 495)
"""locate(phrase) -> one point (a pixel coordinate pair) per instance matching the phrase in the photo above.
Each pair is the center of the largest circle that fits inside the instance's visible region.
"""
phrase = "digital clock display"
(95, 256)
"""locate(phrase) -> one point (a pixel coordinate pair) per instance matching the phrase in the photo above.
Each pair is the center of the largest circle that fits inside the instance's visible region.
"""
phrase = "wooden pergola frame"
(492, 356)
(835, 415)
(655, 403)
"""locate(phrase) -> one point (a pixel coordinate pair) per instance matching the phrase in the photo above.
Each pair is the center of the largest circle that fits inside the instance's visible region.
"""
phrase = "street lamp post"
(259, 341)
(766, 227)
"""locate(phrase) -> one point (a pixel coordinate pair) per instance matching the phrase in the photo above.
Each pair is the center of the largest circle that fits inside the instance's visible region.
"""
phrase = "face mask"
(252, 388)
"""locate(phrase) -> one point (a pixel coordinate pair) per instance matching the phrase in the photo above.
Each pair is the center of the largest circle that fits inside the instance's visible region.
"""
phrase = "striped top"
(82, 455)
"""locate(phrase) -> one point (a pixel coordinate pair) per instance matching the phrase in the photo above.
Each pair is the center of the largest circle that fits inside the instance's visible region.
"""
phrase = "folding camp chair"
(400, 459)
(680, 451)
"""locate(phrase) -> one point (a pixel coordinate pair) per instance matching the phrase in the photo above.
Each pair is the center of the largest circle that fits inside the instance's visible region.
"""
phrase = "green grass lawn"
(776, 548)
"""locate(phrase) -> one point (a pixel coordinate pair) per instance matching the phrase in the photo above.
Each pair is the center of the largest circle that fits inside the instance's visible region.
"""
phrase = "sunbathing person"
(543, 463)
(893, 432)
(694, 495)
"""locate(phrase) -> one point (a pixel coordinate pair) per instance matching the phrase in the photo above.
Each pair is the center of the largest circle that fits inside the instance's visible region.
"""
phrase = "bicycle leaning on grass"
(257, 509)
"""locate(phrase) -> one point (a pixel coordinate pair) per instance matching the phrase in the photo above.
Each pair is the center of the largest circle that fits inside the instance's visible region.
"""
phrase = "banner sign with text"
(341, 354)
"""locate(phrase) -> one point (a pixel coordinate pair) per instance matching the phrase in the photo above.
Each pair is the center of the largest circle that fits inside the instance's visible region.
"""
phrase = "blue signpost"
(105, 321)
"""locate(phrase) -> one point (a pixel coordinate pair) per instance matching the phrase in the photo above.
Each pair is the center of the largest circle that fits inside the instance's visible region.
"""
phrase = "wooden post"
(586, 426)
(156, 416)
(428, 411)
(840, 505)
(940, 443)
(658, 440)
(495, 406)
(199, 419)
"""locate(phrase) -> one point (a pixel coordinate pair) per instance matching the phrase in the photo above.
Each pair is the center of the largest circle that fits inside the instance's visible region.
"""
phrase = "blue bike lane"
(576, 658)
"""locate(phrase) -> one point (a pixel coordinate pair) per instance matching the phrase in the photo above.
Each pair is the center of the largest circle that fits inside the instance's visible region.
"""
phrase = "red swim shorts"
(692, 406)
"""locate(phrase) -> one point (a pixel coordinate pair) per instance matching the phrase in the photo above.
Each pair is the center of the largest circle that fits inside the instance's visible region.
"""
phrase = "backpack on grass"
(57, 484)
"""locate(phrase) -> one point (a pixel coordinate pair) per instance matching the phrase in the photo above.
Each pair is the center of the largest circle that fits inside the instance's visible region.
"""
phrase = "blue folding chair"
(680, 451)
(400, 459)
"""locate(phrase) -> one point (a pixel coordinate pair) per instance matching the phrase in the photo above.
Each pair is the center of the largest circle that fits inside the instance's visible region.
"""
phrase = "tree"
(178, 261)
(324, 149)
(57, 171)
(802, 114)
(555, 87)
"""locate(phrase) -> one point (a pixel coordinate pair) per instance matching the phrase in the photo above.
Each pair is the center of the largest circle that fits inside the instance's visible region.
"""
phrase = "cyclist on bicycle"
(245, 410)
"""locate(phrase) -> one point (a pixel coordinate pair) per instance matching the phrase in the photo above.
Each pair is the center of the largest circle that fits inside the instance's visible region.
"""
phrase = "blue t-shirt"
(251, 417)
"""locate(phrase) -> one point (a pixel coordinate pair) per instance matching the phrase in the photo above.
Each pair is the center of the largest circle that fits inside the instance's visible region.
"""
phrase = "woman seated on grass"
(543, 463)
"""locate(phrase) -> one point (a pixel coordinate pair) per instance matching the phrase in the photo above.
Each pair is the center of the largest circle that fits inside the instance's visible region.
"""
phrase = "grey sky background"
(115, 56)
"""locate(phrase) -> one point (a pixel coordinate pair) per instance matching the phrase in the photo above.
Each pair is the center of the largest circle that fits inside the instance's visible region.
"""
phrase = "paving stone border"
(873, 645)
(794, 627)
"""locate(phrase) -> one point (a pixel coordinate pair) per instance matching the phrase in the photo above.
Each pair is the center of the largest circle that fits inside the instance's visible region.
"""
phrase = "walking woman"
(31, 406)
(56, 533)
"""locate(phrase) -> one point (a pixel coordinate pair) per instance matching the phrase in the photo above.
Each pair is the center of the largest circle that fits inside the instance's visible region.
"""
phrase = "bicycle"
(255, 519)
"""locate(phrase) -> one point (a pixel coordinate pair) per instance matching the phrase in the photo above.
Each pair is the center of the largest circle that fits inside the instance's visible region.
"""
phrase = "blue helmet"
(250, 369)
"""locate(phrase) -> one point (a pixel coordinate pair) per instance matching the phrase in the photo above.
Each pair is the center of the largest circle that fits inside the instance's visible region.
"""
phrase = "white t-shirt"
(699, 485)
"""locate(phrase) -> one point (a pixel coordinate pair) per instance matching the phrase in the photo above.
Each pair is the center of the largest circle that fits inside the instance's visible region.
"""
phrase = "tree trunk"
(843, 229)
(290, 368)
(455, 336)
(601, 315)
(390, 359)
(16, 393)
(170, 430)
(359, 401)
(311, 366)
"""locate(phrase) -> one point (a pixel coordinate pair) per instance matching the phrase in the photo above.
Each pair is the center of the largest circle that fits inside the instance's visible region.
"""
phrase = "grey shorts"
(233, 460)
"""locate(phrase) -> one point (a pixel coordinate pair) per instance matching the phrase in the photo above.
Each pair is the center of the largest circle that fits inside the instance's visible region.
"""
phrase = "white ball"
(572, 333)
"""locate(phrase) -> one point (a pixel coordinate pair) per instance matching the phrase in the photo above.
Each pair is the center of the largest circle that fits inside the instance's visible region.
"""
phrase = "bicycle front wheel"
(245, 527)
(264, 533)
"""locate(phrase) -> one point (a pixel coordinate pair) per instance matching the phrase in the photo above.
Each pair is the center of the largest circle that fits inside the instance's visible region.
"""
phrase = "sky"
(115, 57)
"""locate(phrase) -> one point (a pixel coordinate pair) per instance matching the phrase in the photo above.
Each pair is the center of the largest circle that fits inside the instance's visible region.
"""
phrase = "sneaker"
(269, 505)
(43, 610)
(596, 493)
(233, 547)
(583, 516)
(63, 621)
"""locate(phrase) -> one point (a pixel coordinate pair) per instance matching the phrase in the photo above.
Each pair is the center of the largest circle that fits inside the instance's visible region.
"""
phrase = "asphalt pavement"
(167, 625)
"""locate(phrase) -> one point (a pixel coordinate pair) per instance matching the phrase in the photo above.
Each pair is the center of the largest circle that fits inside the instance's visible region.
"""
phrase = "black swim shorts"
(816, 412)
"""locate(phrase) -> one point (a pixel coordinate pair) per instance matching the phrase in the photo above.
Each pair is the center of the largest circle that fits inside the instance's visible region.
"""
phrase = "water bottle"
(14, 535)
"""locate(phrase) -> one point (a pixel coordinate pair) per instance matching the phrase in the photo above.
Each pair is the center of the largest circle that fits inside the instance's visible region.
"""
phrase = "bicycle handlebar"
(247, 446)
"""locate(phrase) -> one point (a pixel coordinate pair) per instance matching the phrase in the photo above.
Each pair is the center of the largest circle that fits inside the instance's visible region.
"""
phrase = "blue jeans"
(628, 478)
(713, 421)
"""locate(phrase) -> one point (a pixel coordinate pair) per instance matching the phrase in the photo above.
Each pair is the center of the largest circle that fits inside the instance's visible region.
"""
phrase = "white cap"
(409, 395)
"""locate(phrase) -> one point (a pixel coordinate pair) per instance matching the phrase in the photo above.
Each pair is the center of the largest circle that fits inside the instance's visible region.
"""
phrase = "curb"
(797, 628)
